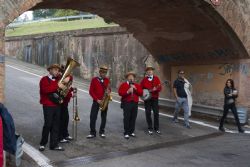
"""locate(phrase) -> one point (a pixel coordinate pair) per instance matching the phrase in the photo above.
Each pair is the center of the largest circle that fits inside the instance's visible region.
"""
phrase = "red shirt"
(129, 97)
(47, 86)
(97, 89)
(147, 84)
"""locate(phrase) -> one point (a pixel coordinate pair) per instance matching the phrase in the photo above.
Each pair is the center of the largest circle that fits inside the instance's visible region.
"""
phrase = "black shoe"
(222, 129)
(187, 126)
(90, 136)
(58, 148)
(175, 120)
(41, 148)
(241, 130)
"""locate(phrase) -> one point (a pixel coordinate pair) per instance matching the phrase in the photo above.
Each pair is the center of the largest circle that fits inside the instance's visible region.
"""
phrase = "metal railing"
(67, 18)
(197, 108)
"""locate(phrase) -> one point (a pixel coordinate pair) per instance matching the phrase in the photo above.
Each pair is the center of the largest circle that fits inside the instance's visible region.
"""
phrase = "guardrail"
(197, 108)
(80, 17)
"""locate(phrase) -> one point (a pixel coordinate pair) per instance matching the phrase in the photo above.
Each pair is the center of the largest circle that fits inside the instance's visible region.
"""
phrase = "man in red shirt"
(153, 84)
(130, 92)
(64, 136)
(98, 86)
(51, 111)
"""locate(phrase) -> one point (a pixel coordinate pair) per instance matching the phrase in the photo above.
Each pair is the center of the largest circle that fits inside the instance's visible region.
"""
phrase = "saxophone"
(105, 102)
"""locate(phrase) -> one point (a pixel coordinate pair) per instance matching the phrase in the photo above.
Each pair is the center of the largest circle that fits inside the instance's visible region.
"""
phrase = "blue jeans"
(182, 103)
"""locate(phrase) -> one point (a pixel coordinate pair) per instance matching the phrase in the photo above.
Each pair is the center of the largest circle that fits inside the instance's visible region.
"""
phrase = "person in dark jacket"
(181, 99)
(130, 93)
(51, 111)
(229, 103)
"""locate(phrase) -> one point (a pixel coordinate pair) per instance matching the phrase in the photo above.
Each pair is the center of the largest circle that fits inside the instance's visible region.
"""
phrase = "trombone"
(76, 118)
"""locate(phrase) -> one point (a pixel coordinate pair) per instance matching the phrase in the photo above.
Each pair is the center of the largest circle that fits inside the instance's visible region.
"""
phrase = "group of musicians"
(56, 115)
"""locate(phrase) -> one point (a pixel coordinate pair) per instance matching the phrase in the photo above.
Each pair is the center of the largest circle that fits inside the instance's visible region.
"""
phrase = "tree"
(43, 13)
(66, 12)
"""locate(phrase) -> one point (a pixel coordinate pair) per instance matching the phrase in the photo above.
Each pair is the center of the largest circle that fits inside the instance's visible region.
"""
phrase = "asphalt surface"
(177, 146)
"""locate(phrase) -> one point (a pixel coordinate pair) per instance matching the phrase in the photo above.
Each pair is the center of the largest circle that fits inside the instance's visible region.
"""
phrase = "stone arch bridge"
(211, 42)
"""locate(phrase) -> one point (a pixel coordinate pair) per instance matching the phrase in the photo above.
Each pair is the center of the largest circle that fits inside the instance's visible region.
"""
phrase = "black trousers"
(93, 118)
(51, 125)
(225, 112)
(150, 105)
(130, 110)
(64, 122)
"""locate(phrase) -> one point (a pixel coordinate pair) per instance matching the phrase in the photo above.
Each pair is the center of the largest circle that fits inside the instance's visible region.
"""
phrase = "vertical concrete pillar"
(2, 64)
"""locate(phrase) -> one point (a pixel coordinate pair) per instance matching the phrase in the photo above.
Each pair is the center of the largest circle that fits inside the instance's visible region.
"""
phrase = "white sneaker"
(102, 135)
(126, 136)
(69, 138)
(150, 132)
(90, 136)
(41, 148)
(158, 132)
(132, 135)
(64, 141)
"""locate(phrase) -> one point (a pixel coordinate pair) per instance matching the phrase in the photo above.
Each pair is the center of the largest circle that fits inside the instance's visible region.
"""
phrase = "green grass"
(57, 26)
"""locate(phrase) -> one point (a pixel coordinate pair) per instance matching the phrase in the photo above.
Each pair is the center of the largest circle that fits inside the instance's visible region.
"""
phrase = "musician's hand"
(133, 87)
(99, 101)
(130, 90)
(61, 86)
(154, 88)
(66, 80)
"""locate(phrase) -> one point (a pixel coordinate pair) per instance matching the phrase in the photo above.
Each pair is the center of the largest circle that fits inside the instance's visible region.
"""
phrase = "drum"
(146, 95)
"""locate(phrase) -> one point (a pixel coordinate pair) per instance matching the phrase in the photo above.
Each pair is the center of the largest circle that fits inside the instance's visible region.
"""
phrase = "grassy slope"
(56, 26)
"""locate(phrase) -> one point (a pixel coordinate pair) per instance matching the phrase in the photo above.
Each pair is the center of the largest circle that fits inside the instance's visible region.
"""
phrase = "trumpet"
(75, 114)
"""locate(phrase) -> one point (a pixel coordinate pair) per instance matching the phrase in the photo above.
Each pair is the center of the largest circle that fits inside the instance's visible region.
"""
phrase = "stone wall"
(114, 47)
(209, 81)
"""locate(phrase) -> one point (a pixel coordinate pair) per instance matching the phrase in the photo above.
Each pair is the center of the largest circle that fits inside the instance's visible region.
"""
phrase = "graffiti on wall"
(195, 78)
(216, 53)
(243, 69)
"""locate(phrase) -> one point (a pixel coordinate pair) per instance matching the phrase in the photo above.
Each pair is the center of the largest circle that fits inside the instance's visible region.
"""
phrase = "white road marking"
(43, 161)
(24, 71)
(38, 157)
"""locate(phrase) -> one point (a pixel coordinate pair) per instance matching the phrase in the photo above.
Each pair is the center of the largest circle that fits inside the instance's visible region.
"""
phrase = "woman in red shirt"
(130, 93)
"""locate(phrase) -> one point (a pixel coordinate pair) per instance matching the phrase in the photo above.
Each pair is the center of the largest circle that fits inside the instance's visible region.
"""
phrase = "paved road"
(179, 146)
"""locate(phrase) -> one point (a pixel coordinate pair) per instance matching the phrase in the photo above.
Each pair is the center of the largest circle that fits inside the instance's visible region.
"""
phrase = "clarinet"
(130, 84)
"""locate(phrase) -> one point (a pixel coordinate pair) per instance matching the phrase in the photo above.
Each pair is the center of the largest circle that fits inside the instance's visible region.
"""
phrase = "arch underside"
(173, 31)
